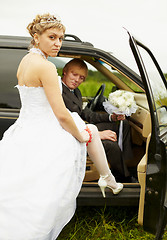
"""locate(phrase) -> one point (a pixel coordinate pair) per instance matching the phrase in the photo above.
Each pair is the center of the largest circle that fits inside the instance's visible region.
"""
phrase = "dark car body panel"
(155, 212)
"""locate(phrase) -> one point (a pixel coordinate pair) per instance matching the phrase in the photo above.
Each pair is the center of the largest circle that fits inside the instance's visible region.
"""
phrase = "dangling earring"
(36, 44)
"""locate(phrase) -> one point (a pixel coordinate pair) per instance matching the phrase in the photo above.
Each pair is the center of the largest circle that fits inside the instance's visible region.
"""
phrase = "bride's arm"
(49, 79)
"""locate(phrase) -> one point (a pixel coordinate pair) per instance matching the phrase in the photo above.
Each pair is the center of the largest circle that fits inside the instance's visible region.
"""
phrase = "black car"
(148, 124)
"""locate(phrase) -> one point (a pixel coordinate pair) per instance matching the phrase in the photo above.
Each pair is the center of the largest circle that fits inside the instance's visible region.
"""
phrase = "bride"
(43, 154)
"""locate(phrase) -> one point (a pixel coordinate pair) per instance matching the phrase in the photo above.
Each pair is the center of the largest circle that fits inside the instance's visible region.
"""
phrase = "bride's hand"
(85, 136)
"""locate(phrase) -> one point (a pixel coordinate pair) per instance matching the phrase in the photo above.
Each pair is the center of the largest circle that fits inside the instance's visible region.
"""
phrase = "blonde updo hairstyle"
(43, 22)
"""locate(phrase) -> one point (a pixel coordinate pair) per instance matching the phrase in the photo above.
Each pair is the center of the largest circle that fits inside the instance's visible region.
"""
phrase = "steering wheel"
(96, 102)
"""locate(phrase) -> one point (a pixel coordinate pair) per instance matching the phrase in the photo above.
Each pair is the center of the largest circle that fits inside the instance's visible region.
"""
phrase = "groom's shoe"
(130, 179)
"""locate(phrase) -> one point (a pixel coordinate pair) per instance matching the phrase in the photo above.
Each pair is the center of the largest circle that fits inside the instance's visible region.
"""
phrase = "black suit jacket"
(73, 102)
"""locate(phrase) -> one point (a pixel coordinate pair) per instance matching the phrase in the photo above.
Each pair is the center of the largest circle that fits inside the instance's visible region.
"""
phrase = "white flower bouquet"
(120, 102)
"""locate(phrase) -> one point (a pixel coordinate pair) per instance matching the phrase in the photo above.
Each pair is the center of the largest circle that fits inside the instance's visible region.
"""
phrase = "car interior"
(140, 121)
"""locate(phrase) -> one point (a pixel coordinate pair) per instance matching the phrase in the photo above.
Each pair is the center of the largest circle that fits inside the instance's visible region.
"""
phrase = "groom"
(74, 73)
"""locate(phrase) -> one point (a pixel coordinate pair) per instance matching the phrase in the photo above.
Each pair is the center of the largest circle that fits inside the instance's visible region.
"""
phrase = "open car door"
(154, 185)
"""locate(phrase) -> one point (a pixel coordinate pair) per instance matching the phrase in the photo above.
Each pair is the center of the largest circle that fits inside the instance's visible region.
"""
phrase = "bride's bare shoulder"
(46, 65)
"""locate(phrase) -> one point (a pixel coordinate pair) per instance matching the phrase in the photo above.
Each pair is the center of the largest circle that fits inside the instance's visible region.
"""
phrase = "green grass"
(100, 223)
(90, 88)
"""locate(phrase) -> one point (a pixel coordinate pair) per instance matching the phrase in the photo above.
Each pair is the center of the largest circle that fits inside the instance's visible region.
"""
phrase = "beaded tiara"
(51, 19)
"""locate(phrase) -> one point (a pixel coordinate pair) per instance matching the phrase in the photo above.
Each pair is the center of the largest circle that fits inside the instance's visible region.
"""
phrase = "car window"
(122, 77)
(59, 63)
(9, 61)
(96, 78)
(158, 88)
(93, 81)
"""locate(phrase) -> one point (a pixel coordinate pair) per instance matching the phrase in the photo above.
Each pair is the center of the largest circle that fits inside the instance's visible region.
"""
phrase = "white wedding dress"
(42, 167)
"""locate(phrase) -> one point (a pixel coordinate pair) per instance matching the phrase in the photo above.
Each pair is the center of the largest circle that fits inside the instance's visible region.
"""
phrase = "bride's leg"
(98, 156)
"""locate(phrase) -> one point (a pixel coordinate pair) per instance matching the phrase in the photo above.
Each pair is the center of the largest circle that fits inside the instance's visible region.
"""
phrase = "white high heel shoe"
(103, 184)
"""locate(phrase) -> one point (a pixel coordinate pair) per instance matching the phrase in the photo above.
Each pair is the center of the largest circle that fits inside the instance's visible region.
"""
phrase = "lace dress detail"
(42, 167)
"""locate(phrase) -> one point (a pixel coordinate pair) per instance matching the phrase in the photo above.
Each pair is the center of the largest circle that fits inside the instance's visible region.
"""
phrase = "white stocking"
(97, 154)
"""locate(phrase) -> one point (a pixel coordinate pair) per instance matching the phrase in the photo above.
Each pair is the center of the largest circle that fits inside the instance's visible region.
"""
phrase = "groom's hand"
(108, 135)
(117, 117)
